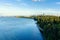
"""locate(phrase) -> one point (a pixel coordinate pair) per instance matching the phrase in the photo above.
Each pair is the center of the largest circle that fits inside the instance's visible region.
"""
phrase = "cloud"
(34, 0)
(18, 0)
(57, 2)
(50, 11)
(24, 4)
(7, 4)
(9, 9)
(37, 0)
(21, 12)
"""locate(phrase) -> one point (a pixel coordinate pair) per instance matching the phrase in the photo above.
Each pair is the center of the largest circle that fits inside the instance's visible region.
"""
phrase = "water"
(19, 29)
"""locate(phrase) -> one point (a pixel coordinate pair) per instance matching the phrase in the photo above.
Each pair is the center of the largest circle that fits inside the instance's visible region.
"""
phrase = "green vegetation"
(23, 16)
(50, 26)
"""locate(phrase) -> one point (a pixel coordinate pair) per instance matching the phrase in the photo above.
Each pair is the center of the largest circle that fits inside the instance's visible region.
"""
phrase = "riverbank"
(50, 26)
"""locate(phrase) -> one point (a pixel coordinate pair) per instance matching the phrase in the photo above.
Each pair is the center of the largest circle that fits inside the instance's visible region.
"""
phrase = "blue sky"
(29, 7)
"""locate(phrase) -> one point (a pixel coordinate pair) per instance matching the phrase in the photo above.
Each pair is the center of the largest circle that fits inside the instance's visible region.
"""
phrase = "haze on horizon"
(29, 7)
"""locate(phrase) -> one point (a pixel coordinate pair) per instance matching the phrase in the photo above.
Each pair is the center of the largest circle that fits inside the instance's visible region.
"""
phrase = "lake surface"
(19, 29)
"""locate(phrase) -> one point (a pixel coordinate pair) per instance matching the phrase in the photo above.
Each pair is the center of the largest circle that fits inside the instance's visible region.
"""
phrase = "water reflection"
(19, 29)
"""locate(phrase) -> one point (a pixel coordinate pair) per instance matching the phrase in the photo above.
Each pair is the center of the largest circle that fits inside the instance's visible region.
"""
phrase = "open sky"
(29, 7)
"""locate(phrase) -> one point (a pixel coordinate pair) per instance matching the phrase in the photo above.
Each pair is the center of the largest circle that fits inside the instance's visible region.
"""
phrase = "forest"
(50, 26)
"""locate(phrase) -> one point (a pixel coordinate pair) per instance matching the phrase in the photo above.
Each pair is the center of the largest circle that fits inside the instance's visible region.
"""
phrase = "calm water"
(19, 29)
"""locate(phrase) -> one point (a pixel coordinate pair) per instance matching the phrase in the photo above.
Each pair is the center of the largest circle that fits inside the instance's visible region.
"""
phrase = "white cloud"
(50, 12)
(8, 10)
(23, 4)
(6, 4)
(16, 12)
(18, 0)
(5, 11)
(37, 0)
(57, 2)
(34, 0)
